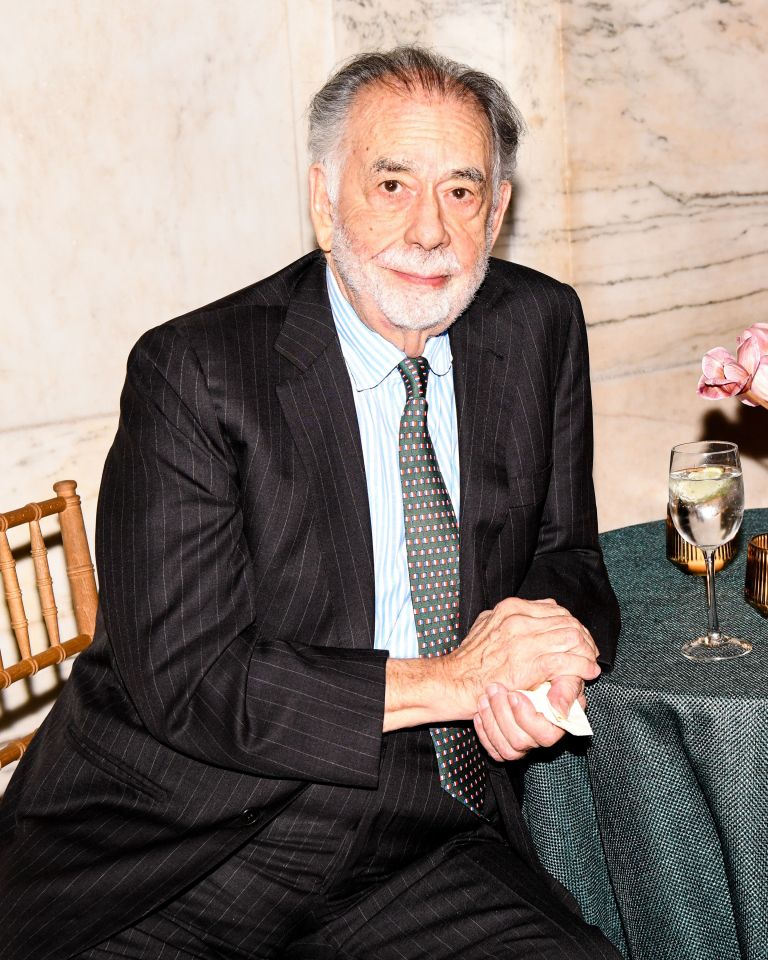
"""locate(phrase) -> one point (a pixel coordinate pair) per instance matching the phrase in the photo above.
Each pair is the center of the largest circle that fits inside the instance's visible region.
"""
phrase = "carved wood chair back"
(82, 592)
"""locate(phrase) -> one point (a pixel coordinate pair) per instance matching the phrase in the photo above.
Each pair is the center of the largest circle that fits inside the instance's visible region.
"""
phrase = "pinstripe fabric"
(403, 872)
(233, 663)
(331, 882)
(379, 397)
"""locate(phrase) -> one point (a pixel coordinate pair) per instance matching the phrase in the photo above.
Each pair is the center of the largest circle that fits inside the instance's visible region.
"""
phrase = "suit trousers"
(399, 872)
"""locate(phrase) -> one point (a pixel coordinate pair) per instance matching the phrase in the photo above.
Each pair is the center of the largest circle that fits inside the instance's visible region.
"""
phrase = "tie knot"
(414, 371)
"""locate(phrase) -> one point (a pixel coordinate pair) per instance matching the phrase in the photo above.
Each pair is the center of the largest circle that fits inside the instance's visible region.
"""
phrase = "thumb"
(563, 692)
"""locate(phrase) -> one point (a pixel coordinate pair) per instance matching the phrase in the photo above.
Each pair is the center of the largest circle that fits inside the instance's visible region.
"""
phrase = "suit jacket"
(233, 662)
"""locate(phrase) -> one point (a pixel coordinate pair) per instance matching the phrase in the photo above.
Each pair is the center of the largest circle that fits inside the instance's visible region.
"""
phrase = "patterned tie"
(432, 546)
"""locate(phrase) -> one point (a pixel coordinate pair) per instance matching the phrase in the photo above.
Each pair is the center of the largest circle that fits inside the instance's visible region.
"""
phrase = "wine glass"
(706, 503)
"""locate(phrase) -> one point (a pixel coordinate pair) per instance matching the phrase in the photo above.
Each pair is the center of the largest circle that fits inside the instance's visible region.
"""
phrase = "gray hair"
(410, 69)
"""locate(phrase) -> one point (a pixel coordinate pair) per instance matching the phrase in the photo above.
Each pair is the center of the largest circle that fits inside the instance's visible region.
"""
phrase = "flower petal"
(758, 389)
(717, 391)
(713, 364)
(736, 373)
(749, 355)
(758, 332)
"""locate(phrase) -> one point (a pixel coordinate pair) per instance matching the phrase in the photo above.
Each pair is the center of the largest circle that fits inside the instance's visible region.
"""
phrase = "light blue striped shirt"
(379, 400)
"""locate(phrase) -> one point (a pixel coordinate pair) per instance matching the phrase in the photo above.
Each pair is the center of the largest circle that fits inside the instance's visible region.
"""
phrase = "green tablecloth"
(659, 824)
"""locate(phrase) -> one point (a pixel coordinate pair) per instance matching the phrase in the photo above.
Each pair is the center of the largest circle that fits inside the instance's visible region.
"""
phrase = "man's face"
(412, 224)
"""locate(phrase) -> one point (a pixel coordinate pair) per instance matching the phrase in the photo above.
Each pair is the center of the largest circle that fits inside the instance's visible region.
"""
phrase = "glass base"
(726, 648)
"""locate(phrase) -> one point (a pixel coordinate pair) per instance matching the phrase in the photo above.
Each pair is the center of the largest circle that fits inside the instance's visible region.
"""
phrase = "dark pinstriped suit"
(233, 663)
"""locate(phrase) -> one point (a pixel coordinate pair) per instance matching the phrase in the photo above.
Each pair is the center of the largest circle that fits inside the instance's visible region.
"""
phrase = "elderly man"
(348, 513)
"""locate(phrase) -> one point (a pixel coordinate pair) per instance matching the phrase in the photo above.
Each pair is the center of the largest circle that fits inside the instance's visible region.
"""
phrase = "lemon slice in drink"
(701, 483)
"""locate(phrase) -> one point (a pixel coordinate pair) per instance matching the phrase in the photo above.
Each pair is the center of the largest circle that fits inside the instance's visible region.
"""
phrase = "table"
(658, 824)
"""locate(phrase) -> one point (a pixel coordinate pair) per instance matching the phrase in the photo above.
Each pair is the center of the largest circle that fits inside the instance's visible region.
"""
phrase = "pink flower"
(745, 376)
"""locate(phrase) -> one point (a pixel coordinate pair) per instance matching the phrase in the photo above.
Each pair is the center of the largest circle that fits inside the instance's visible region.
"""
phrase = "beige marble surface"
(668, 223)
(669, 194)
(148, 166)
(155, 161)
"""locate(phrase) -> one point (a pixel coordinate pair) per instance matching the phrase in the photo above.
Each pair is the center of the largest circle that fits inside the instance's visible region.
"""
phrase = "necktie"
(432, 547)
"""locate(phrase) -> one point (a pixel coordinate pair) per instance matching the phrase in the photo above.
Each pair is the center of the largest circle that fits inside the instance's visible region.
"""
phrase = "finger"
(588, 637)
(531, 724)
(510, 743)
(567, 664)
(501, 747)
(482, 736)
(520, 725)
(564, 692)
(564, 636)
(482, 618)
(514, 606)
(498, 747)
(573, 622)
(568, 634)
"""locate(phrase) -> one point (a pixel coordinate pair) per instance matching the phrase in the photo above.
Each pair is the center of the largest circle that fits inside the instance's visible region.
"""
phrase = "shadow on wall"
(749, 430)
(26, 711)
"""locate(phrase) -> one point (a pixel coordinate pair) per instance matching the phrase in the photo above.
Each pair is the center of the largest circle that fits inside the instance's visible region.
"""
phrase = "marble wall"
(668, 196)
(152, 159)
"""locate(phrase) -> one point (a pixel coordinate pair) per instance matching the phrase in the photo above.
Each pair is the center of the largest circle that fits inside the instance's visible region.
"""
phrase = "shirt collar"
(369, 357)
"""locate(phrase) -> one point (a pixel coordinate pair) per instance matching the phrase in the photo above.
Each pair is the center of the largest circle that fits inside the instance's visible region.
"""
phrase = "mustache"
(427, 263)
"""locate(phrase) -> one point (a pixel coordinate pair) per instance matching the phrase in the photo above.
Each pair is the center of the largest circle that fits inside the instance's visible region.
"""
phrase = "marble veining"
(367, 24)
(156, 161)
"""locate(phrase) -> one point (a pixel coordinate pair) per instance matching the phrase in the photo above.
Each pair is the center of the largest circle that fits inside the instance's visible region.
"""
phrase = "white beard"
(416, 309)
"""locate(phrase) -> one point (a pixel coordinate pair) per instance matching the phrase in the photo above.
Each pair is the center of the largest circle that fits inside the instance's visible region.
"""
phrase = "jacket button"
(249, 817)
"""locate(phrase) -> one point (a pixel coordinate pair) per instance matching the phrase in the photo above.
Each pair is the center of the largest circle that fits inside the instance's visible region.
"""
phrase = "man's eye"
(460, 193)
(391, 186)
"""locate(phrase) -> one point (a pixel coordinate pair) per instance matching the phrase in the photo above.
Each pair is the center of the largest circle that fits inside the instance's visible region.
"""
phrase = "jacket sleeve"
(568, 563)
(203, 675)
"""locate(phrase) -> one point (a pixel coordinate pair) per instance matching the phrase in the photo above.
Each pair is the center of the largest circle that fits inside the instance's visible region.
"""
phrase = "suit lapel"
(479, 376)
(319, 406)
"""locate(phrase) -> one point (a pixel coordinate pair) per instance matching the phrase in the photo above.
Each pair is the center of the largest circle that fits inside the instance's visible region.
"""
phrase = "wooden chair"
(82, 588)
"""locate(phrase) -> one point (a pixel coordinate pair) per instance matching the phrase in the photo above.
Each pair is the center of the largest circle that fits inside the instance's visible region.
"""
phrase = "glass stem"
(713, 633)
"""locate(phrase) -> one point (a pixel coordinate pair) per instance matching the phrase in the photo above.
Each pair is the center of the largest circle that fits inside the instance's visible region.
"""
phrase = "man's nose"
(426, 226)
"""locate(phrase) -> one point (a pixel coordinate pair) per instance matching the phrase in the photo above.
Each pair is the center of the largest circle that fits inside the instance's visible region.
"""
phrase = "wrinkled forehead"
(389, 108)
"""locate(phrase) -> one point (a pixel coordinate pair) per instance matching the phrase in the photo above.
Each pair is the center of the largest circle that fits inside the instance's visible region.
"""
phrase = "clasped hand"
(516, 646)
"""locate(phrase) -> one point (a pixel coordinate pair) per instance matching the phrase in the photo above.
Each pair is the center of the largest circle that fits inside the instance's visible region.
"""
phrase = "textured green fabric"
(659, 824)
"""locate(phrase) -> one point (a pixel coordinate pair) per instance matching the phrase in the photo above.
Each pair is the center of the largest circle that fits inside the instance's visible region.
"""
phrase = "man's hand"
(517, 645)
(508, 726)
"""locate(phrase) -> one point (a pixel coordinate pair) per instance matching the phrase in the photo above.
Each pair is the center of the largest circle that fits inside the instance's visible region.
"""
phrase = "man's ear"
(505, 193)
(320, 206)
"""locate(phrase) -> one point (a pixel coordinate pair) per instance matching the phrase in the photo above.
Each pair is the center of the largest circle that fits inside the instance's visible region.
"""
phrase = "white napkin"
(576, 722)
